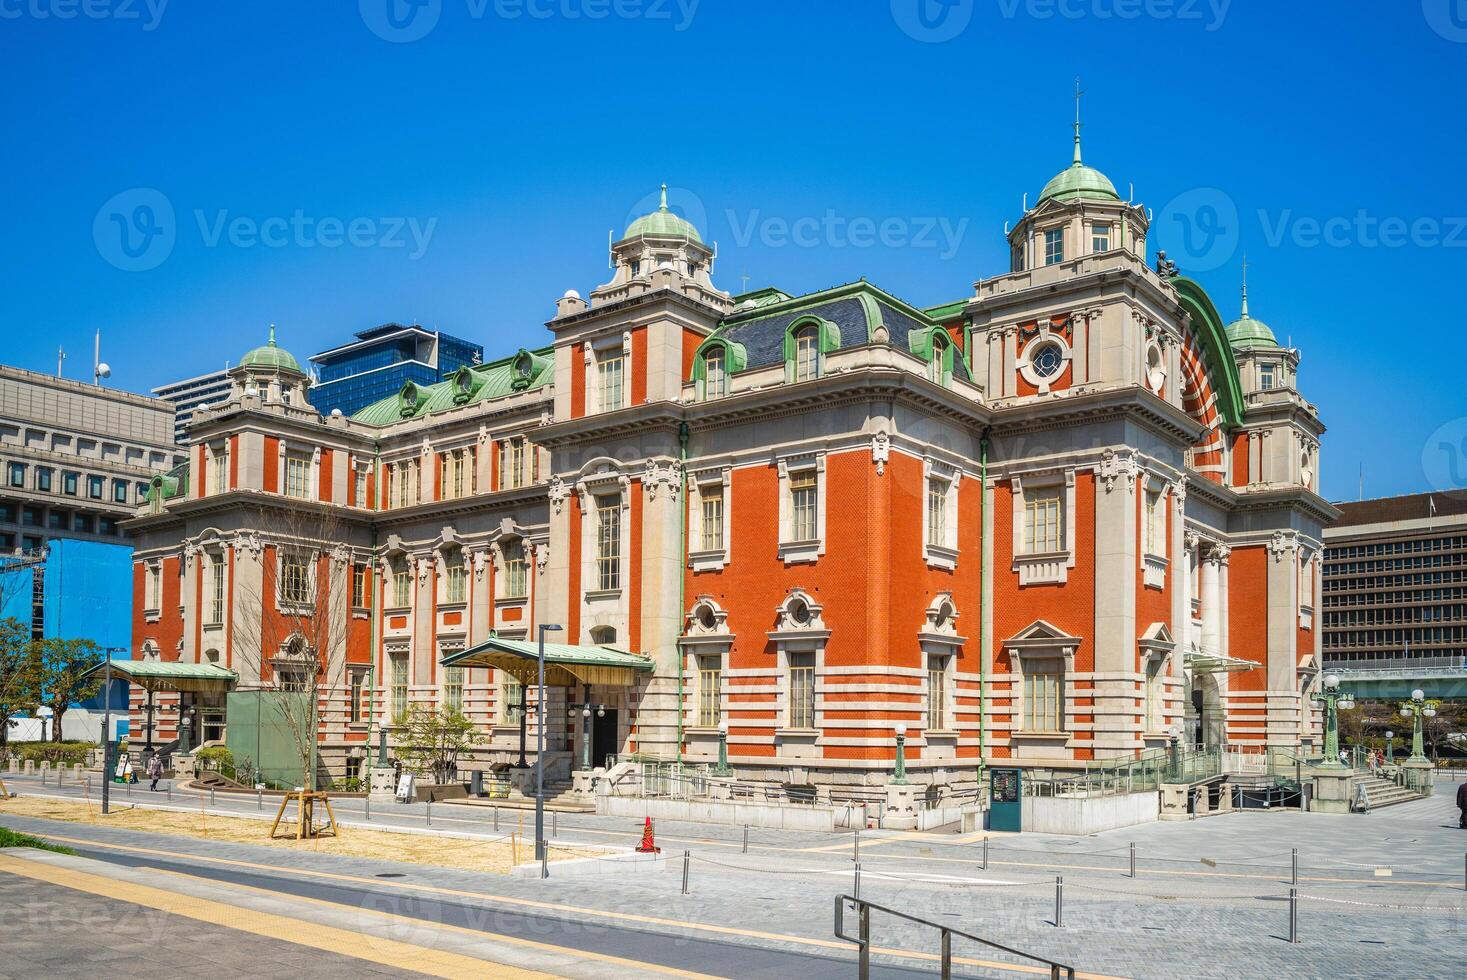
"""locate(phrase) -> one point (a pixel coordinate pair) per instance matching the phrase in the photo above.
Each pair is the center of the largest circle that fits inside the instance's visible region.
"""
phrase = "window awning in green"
(171, 675)
(566, 665)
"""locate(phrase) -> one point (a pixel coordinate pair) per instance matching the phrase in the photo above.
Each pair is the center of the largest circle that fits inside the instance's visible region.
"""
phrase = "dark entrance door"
(603, 737)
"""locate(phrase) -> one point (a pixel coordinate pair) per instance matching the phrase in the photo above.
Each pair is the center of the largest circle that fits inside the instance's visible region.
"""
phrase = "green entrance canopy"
(168, 675)
(565, 665)
(1207, 663)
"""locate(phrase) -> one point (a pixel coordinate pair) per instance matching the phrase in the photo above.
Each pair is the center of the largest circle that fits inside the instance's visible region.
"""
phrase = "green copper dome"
(271, 356)
(1248, 332)
(1077, 182)
(662, 223)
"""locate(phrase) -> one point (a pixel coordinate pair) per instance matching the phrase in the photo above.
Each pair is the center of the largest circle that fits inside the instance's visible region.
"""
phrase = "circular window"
(706, 619)
(799, 613)
(1047, 360)
(1155, 370)
(944, 614)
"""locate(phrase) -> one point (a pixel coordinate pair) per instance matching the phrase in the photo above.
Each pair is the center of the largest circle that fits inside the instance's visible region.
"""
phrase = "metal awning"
(170, 675)
(565, 665)
(1215, 663)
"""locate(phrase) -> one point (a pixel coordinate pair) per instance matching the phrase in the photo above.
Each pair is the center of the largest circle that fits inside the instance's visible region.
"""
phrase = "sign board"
(1006, 796)
(405, 787)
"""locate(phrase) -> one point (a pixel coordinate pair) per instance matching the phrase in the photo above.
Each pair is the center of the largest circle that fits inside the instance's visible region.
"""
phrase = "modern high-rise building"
(1395, 583)
(190, 394)
(383, 359)
(76, 458)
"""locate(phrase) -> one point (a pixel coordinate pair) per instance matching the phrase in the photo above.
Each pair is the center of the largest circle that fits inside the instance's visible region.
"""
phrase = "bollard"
(1059, 901)
(1294, 866)
(746, 839)
(169, 788)
(687, 857)
(857, 892)
(496, 820)
(1293, 915)
(1133, 859)
(44, 769)
(259, 799)
(430, 811)
(545, 863)
(554, 823)
(856, 843)
(985, 854)
(128, 784)
(211, 796)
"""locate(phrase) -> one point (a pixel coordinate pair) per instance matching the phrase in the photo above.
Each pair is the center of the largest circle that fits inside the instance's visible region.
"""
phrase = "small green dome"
(1079, 181)
(1247, 332)
(271, 356)
(662, 223)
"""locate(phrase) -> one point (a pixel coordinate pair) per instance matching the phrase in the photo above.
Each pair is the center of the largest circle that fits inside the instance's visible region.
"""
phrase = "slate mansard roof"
(525, 370)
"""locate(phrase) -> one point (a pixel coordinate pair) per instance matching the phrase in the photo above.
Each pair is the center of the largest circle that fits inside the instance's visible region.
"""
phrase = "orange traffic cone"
(648, 845)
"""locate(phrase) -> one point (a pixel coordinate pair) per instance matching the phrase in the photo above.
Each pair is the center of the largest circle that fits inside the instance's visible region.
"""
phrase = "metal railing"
(862, 939)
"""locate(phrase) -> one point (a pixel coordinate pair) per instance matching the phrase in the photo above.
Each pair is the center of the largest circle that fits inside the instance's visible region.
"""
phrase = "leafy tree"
(431, 741)
(61, 665)
(19, 676)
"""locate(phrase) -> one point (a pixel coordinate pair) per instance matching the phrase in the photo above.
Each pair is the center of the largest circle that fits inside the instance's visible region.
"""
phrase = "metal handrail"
(862, 939)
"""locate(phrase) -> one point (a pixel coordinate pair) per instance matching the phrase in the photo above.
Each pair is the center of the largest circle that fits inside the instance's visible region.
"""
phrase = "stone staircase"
(1380, 791)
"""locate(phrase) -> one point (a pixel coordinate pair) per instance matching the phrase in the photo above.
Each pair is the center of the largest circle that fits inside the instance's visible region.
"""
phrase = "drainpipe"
(376, 637)
(982, 596)
(682, 568)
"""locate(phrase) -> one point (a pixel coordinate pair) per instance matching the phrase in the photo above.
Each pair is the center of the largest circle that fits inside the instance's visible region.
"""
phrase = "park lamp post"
(1174, 759)
(1390, 748)
(899, 775)
(1333, 700)
(722, 769)
(584, 710)
(1415, 709)
(107, 653)
(540, 742)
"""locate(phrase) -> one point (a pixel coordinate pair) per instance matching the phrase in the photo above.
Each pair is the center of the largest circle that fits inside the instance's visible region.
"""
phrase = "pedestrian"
(155, 771)
(1462, 805)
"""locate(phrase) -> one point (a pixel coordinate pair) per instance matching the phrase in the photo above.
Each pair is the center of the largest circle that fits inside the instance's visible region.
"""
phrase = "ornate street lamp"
(1416, 709)
(584, 709)
(722, 769)
(1333, 700)
(1390, 748)
(1174, 759)
(899, 777)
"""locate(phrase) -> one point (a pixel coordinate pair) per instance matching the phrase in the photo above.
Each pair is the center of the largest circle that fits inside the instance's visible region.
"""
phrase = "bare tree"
(290, 625)
(20, 690)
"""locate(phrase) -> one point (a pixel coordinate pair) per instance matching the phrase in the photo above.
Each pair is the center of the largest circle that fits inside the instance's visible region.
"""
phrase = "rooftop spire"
(1245, 286)
(663, 206)
(1078, 92)
(272, 335)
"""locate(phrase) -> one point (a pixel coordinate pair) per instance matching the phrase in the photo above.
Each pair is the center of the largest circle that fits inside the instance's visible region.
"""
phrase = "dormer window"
(715, 375)
(807, 353)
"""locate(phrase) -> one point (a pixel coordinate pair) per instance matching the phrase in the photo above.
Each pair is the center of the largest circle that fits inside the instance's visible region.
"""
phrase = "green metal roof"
(662, 223)
(1246, 332)
(174, 483)
(1077, 182)
(525, 370)
(270, 356)
(170, 675)
(565, 664)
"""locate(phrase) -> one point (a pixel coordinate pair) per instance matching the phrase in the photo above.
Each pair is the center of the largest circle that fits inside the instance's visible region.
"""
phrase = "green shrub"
(56, 753)
(216, 757)
(9, 838)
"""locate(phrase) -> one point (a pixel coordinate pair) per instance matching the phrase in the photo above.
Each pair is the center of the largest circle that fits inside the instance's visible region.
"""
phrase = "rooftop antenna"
(1026, 202)
(1360, 491)
(744, 279)
(60, 356)
(610, 241)
(1131, 193)
(1245, 286)
(1078, 93)
(99, 369)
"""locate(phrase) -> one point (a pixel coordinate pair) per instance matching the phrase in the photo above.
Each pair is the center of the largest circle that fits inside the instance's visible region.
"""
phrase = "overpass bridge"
(1441, 683)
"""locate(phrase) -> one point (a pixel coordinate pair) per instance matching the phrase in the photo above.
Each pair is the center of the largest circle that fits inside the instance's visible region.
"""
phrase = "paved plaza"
(1381, 894)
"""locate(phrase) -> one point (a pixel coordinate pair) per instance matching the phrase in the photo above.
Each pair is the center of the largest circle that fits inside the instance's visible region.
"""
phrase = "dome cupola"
(270, 356)
(662, 223)
(1246, 332)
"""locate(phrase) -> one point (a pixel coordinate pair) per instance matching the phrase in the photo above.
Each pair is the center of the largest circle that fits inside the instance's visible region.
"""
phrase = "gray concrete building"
(75, 459)
(191, 394)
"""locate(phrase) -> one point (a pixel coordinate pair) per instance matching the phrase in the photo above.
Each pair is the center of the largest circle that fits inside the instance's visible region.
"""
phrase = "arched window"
(941, 368)
(603, 635)
(807, 352)
(715, 373)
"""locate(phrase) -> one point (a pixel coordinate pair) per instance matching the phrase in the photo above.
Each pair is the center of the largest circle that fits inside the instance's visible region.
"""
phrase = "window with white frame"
(608, 542)
(1154, 523)
(710, 679)
(359, 487)
(297, 475)
(715, 374)
(710, 517)
(1266, 377)
(219, 470)
(1100, 238)
(354, 712)
(453, 688)
(155, 587)
(1043, 521)
(801, 690)
(937, 665)
(515, 459)
(404, 476)
(454, 581)
(516, 571)
(511, 694)
(295, 579)
(1044, 696)
(402, 586)
(937, 490)
(807, 352)
(609, 381)
(940, 370)
(398, 689)
(460, 472)
(1054, 246)
(216, 590)
(804, 491)
(359, 585)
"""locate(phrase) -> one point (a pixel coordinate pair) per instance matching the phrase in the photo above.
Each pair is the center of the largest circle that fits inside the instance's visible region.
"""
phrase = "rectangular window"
(511, 694)
(936, 693)
(609, 382)
(453, 585)
(354, 704)
(295, 580)
(69, 484)
(155, 587)
(1265, 377)
(802, 690)
(216, 590)
(804, 505)
(219, 472)
(359, 585)
(513, 457)
(119, 491)
(715, 379)
(711, 511)
(710, 676)
(1042, 521)
(516, 579)
(1043, 700)
(453, 688)
(937, 512)
(459, 473)
(1100, 238)
(16, 473)
(807, 354)
(608, 543)
(43, 479)
(402, 588)
(1154, 527)
(297, 475)
(359, 488)
(399, 693)
(94, 487)
(405, 483)
(1054, 246)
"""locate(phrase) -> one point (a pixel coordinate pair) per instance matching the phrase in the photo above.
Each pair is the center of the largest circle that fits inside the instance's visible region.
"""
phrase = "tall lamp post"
(899, 775)
(722, 769)
(540, 743)
(1333, 700)
(107, 726)
(1415, 709)
(1390, 748)
(584, 711)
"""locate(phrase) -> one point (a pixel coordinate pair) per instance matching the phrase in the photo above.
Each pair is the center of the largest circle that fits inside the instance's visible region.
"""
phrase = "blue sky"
(327, 172)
